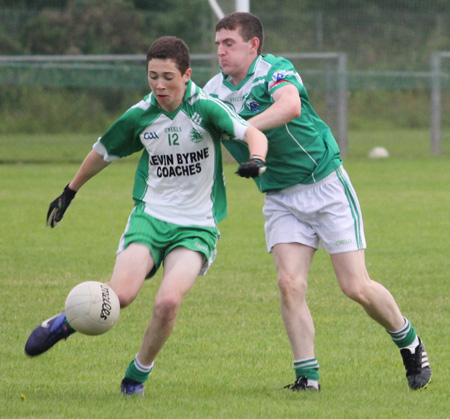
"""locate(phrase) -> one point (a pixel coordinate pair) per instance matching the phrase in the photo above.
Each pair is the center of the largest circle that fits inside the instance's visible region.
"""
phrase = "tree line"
(376, 34)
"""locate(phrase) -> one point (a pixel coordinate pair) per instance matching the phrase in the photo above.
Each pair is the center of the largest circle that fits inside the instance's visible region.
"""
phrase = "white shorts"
(326, 212)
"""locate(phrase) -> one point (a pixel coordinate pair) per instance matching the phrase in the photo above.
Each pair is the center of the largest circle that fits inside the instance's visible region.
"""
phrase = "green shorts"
(161, 237)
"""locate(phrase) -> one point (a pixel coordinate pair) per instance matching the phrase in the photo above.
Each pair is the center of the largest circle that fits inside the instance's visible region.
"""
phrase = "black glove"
(59, 205)
(252, 168)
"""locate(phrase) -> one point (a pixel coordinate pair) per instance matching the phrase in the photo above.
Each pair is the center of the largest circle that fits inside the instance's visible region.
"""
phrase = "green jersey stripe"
(353, 207)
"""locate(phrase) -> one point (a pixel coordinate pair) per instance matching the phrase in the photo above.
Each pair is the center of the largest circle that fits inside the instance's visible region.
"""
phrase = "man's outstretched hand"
(252, 168)
(59, 206)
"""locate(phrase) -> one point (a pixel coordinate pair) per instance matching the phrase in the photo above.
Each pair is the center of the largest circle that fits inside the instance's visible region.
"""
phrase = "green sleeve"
(283, 71)
(223, 119)
(122, 138)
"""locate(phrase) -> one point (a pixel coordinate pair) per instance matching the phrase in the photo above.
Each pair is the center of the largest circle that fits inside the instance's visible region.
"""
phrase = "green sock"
(138, 372)
(69, 327)
(405, 336)
(308, 368)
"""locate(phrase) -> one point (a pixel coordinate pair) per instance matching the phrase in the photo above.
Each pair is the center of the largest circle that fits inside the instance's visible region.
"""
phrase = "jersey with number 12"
(179, 176)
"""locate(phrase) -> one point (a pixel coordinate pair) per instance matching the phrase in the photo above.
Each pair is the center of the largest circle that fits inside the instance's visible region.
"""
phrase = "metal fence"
(439, 80)
(326, 73)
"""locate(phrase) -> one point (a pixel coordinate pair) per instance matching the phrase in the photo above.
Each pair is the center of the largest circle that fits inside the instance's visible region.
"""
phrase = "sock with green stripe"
(308, 368)
(406, 337)
(137, 371)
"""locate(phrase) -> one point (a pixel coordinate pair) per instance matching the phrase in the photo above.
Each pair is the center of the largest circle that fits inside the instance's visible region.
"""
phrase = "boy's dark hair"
(249, 26)
(170, 47)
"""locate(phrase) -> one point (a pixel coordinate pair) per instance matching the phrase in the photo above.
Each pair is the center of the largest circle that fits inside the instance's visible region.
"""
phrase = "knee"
(126, 289)
(290, 285)
(358, 292)
(166, 308)
(126, 297)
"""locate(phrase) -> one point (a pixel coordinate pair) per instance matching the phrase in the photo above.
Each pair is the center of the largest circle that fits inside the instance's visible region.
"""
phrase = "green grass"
(65, 148)
(228, 356)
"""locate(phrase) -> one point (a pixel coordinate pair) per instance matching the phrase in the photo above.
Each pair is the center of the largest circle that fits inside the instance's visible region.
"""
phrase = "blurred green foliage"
(375, 34)
(392, 40)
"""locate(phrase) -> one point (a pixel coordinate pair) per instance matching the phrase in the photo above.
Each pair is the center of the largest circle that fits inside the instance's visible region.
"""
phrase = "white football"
(378, 153)
(92, 308)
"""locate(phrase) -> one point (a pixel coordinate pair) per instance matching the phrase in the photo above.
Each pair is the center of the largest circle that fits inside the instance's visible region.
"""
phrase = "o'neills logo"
(106, 303)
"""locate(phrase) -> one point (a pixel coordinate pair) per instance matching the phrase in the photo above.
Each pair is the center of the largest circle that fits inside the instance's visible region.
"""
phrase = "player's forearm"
(257, 142)
(92, 164)
(271, 118)
(286, 107)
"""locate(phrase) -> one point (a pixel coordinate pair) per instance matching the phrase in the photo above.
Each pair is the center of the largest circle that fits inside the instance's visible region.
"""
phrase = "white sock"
(313, 383)
(143, 368)
(413, 345)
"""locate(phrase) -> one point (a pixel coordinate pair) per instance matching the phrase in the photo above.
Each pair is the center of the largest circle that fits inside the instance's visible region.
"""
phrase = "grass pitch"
(228, 356)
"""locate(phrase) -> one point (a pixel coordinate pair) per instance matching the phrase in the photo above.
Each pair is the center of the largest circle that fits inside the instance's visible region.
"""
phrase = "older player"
(179, 195)
(309, 197)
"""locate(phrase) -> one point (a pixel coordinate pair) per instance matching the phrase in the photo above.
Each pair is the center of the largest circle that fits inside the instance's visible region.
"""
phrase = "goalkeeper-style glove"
(255, 167)
(59, 205)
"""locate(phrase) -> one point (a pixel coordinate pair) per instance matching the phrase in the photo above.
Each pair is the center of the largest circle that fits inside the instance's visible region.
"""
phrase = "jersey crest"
(253, 105)
(279, 75)
(195, 136)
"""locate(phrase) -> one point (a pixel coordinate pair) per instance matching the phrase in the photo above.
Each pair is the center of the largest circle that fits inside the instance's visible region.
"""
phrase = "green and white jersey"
(179, 176)
(303, 151)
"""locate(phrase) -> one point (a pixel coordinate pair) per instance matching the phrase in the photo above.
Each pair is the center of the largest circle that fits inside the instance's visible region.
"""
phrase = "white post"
(342, 108)
(243, 6)
(435, 120)
(216, 9)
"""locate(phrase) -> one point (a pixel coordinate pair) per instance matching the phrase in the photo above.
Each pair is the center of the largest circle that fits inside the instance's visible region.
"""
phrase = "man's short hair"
(170, 47)
(249, 26)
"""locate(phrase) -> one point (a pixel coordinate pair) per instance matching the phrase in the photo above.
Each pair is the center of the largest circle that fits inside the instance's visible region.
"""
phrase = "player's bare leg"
(377, 301)
(181, 268)
(131, 267)
(293, 261)
(380, 305)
